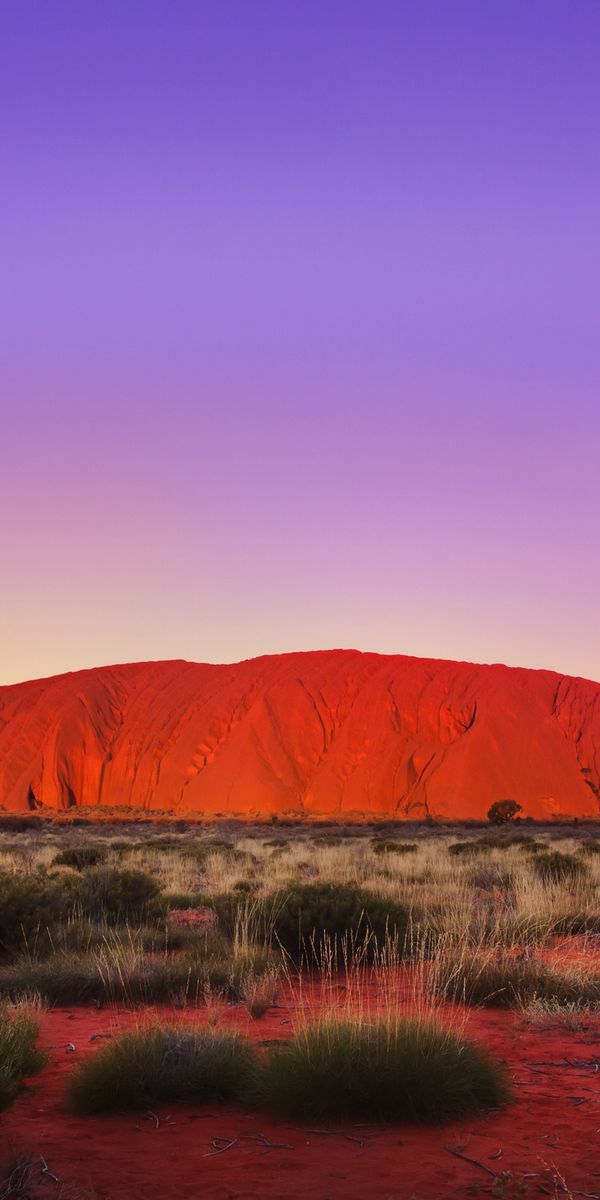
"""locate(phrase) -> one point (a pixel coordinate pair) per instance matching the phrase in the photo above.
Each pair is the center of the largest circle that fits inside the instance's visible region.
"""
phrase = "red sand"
(553, 1123)
(331, 732)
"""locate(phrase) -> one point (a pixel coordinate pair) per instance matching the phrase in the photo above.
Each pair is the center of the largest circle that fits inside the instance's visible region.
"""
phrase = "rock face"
(329, 732)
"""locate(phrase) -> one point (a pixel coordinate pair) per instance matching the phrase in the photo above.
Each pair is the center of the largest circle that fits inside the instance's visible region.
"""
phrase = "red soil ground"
(551, 1125)
(330, 733)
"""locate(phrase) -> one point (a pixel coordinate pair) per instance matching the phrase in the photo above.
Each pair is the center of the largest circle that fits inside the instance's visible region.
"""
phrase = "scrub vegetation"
(195, 918)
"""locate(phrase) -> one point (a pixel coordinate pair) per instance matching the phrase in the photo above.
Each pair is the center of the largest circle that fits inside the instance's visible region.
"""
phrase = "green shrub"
(167, 1063)
(468, 849)
(135, 975)
(80, 857)
(502, 812)
(490, 878)
(409, 1070)
(555, 867)
(383, 847)
(184, 900)
(28, 904)
(508, 980)
(18, 824)
(107, 894)
(313, 919)
(18, 1055)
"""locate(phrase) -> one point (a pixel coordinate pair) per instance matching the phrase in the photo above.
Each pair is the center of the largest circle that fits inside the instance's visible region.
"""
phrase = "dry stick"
(336, 1133)
(220, 1146)
(264, 1141)
(473, 1161)
(539, 1071)
(46, 1170)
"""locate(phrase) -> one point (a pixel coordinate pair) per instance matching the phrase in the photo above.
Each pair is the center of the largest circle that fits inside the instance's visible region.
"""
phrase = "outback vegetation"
(400, 932)
(18, 1054)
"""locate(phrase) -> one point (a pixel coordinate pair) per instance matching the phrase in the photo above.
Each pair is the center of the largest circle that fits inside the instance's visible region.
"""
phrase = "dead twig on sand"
(557, 1180)
(45, 1169)
(265, 1141)
(473, 1161)
(334, 1133)
(220, 1146)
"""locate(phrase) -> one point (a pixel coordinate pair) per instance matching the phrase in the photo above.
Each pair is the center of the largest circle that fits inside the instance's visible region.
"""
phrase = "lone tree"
(503, 812)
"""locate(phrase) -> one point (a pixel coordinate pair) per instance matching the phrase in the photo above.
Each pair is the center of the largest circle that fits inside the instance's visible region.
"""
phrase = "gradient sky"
(300, 330)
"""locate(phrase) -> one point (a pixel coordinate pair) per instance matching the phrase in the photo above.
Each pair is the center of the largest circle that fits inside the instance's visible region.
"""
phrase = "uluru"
(316, 733)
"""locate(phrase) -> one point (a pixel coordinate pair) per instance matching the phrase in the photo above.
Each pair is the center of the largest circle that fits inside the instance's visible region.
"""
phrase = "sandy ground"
(551, 1126)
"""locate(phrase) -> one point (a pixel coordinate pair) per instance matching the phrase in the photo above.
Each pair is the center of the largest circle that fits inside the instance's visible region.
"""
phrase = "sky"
(299, 330)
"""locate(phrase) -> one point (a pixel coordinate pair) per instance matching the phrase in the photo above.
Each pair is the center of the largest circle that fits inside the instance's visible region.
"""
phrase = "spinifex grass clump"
(105, 894)
(126, 972)
(18, 1055)
(555, 867)
(80, 857)
(304, 919)
(513, 980)
(571, 1016)
(468, 849)
(410, 1069)
(163, 1063)
(29, 903)
(381, 846)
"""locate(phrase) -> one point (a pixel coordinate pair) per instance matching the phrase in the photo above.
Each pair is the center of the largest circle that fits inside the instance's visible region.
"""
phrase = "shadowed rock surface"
(326, 732)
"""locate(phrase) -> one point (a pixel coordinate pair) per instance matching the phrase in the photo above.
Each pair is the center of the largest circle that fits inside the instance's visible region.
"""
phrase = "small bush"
(502, 812)
(490, 879)
(105, 894)
(24, 1176)
(468, 849)
(310, 919)
(244, 887)
(80, 857)
(382, 847)
(135, 976)
(570, 1015)
(29, 903)
(184, 900)
(164, 1063)
(18, 1055)
(17, 824)
(409, 1070)
(260, 992)
(555, 867)
(507, 980)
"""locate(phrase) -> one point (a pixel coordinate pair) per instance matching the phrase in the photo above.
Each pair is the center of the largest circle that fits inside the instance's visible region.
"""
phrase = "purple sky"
(299, 330)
